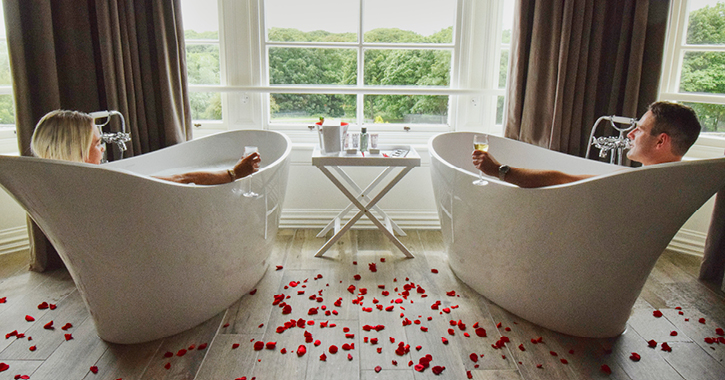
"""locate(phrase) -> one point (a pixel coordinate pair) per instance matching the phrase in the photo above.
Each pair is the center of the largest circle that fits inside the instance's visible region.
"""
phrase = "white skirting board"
(14, 240)
(686, 241)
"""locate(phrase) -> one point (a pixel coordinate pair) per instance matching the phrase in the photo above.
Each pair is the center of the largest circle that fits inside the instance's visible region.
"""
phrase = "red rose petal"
(94, 369)
(481, 332)
(652, 343)
(539, 366)
(168, 354)
(283, 351)
(301, 350)
(253, 292)
(521, 347)
(438, 369)
(167, 365)
(52, 306)
(66, 326)
(333, 349)
(474, 357)
(552, 353)
(235, 346)
(666, 347)
(444, 340)
(43, 305)
(3, 299)
(605, 368)
(29, 318)
(202, 346)
(323, 357)
(434, 270)
(673, 333)
(349, 357)
(378, 368)
(48, 326)
(657, 314)
(635, 357)
(32, 348)
(4, 367)
(720, 331)
(563, 361)
(258, 345)
(419, 367)
(279, 267)
(701, 320)
(181, 352)
(68, 337)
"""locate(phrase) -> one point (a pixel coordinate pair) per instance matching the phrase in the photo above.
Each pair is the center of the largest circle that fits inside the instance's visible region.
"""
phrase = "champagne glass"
(480, 142)
(249, 193)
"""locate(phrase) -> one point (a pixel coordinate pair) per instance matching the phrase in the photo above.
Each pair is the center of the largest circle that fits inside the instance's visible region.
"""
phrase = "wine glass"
(480, 142)
(249, 193)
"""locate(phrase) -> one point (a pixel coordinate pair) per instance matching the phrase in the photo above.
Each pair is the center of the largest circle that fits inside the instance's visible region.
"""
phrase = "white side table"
(362, 198)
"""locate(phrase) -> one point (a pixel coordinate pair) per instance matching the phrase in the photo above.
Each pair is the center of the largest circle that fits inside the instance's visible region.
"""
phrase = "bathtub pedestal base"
(357, 195)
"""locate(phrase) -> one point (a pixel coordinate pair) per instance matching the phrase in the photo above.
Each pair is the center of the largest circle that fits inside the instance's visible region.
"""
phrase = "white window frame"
(474, 81)
(709, 144)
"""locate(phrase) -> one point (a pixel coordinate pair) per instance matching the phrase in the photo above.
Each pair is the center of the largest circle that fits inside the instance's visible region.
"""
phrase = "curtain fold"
(576, 60)
(96, 55)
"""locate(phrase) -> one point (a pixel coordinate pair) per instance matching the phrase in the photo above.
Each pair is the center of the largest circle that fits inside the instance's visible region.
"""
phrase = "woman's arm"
(243, 168)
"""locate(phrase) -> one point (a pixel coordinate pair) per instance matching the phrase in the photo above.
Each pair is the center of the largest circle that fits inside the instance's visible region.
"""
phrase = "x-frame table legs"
(364, 209)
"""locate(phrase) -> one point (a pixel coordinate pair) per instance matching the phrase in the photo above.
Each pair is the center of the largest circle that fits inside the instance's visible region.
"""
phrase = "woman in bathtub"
(663, 134)
(73, 136)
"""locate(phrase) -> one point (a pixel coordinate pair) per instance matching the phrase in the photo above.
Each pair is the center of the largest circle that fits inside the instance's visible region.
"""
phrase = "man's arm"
(523, 177)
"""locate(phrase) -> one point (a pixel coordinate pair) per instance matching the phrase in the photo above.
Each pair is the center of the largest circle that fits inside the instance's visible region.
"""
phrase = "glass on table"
(480, 142)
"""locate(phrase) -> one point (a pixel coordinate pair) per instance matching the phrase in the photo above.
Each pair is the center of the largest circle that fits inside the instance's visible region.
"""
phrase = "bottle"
(364, 139)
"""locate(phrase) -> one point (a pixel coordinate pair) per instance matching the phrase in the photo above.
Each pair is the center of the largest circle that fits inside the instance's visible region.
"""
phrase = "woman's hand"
(485, 162)
(247, 165)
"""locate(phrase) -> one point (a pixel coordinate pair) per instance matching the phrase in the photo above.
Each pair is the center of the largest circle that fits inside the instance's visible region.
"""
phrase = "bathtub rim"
(109, 166)
(434, 154)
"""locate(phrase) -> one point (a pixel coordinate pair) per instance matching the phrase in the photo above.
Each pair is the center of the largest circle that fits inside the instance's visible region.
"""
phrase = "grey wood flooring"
(224, 346)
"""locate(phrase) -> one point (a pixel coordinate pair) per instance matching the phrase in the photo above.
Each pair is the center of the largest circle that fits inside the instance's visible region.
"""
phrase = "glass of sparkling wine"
(480, 142)
(249, 193)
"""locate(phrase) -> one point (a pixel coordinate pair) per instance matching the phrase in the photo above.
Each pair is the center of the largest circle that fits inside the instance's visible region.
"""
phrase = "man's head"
(664, 133)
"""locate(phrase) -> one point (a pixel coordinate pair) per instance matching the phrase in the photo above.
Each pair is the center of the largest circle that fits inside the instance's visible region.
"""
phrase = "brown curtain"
(576, 60)
(96, 55)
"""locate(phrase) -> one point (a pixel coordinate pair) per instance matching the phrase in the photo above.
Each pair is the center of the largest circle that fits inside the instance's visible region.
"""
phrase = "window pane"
(7, 109)
(308, 108)
(312, 21)
(312, 66)
(5, 77)
(200, 19)
(202, 63)
(206, 105)
(408, 109)
(499, 110)
(711, 116)
(703, 72)
(503, 68)
(422, 21)
(408, 67)
(706, 22)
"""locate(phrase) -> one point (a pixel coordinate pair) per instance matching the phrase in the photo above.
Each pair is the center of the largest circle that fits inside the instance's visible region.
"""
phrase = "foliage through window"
(698, 56)
(391, 49)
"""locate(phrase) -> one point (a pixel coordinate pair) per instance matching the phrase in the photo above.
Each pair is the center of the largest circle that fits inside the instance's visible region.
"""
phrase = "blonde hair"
(63, 135)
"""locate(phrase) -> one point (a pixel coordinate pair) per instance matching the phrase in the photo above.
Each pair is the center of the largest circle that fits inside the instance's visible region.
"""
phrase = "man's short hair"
(678, 121)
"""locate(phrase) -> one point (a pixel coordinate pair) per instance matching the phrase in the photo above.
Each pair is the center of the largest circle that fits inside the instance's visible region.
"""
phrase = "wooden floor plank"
(223, 361)
(74, 358)
(183, 364)
(19, 367)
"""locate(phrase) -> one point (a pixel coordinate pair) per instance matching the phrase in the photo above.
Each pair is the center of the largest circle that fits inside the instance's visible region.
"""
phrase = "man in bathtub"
(73, 136)
(663, 134)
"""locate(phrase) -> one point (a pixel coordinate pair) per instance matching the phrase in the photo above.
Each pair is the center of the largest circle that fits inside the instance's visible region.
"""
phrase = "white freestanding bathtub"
(152, 258)
(572, 258)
